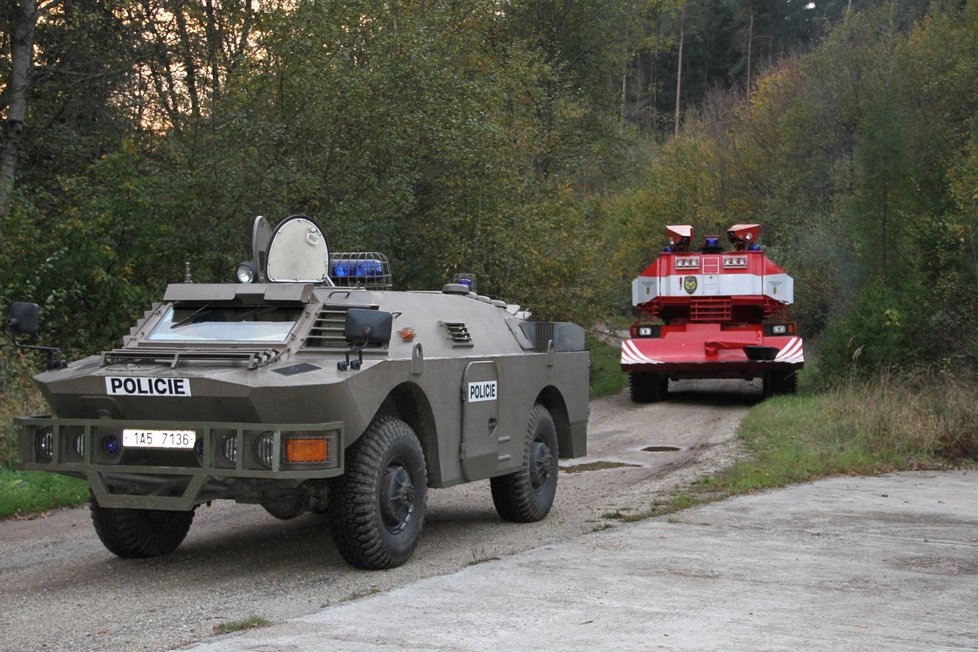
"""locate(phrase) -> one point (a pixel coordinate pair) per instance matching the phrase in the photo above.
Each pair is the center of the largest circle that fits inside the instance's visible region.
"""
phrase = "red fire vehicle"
(715, 312)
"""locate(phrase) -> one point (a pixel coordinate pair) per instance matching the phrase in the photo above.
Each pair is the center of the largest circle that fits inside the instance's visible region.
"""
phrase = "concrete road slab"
(847, 563)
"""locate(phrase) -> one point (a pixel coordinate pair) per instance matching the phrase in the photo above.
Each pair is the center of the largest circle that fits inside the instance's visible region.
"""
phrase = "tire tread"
(512, 494)
(355, 525)
(140, 533)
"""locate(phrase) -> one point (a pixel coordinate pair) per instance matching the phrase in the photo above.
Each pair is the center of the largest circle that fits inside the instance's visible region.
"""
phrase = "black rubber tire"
(647, 386)
(285, 508)
(140, 533)
(373, 528)
(777, 383)
(790, 384)
(527, 495)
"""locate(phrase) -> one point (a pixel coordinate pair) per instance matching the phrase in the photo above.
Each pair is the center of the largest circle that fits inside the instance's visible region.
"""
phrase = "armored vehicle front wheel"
(527, 495)
(377, 506)
(140, 533)
(647, 387)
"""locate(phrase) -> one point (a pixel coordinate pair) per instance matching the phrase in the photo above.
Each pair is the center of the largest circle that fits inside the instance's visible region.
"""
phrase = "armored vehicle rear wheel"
(527, 495)
(140, 533)
(647, 387)
(377, 507)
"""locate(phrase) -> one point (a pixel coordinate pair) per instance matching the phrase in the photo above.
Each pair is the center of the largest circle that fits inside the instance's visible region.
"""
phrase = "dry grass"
(932, 416)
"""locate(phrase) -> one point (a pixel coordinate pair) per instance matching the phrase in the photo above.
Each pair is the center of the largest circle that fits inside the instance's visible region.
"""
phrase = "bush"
(881, 331)
(18, 397)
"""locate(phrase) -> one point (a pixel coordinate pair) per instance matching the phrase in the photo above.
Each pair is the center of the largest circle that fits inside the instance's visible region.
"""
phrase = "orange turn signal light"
(306, 450)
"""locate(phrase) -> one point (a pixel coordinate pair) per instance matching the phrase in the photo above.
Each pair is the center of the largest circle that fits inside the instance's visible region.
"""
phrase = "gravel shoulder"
(61, 589)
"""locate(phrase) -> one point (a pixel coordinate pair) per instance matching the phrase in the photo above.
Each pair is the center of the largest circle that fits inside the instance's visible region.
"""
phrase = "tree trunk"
(17, 90)
(212, 30)
(679, 67)
(187, 54)
(750, 43)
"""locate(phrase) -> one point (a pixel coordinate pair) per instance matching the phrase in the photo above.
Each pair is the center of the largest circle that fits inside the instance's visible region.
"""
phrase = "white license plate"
(134, 438)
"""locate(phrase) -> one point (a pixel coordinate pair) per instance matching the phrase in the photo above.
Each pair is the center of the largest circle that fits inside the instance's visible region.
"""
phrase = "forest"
(541, 145)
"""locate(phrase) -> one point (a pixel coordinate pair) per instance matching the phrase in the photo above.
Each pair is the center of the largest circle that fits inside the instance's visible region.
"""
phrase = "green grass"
(26, 493)
(23, 493)
(607, 378)
(886, 424)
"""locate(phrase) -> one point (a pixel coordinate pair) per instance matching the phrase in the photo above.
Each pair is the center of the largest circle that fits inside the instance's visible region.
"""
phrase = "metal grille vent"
(327, 332)
(459, 333)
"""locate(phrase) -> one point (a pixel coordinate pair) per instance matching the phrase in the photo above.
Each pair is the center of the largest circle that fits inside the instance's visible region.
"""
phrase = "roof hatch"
(298, 252)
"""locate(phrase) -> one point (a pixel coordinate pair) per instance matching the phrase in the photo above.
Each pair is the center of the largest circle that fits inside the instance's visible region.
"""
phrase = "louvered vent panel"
(459, 333)
(327, 332)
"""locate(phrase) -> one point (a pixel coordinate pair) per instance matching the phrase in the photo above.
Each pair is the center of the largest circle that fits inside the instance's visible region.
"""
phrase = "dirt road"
(60, 589)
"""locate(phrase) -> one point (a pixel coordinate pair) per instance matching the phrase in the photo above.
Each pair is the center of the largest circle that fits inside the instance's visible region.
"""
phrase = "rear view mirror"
(366, 327)
(24, 317)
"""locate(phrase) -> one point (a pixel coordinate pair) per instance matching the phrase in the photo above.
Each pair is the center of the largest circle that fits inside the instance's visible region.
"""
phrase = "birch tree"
(16, 91)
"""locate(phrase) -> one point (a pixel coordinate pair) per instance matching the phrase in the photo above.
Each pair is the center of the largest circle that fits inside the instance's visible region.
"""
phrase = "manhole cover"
(661, 449)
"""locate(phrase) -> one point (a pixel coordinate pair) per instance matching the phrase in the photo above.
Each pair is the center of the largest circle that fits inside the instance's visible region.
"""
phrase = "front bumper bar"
(174, 479)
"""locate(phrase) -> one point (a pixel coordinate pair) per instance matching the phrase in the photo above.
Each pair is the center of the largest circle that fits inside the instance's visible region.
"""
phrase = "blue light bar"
(370, 268)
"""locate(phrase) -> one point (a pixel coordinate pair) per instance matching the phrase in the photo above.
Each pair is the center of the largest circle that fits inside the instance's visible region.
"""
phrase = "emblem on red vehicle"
(689, 284)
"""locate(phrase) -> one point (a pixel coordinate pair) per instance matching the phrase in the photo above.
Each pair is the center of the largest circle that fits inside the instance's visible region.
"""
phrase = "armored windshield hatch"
(459, 333)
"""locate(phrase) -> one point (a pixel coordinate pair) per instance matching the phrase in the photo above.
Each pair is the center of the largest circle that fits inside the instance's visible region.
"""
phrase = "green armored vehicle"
(310, 385)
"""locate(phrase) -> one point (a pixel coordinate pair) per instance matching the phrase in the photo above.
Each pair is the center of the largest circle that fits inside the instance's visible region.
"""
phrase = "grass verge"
(886, 424)
(25, 493)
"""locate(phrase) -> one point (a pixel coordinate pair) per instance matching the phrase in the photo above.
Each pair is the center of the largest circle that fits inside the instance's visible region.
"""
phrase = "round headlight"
(44, 444)
(264, 447)
(79, 444)
(246, 272)
(230, 448)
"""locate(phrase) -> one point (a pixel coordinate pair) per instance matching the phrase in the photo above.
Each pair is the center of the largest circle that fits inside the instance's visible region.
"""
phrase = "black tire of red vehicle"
(647, 387)
(790, 384)
(527, 495)
(777, 383)
(140, 533)
(377, 507)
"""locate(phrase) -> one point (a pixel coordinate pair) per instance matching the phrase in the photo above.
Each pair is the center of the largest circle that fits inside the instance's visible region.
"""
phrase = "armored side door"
(480, 416)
